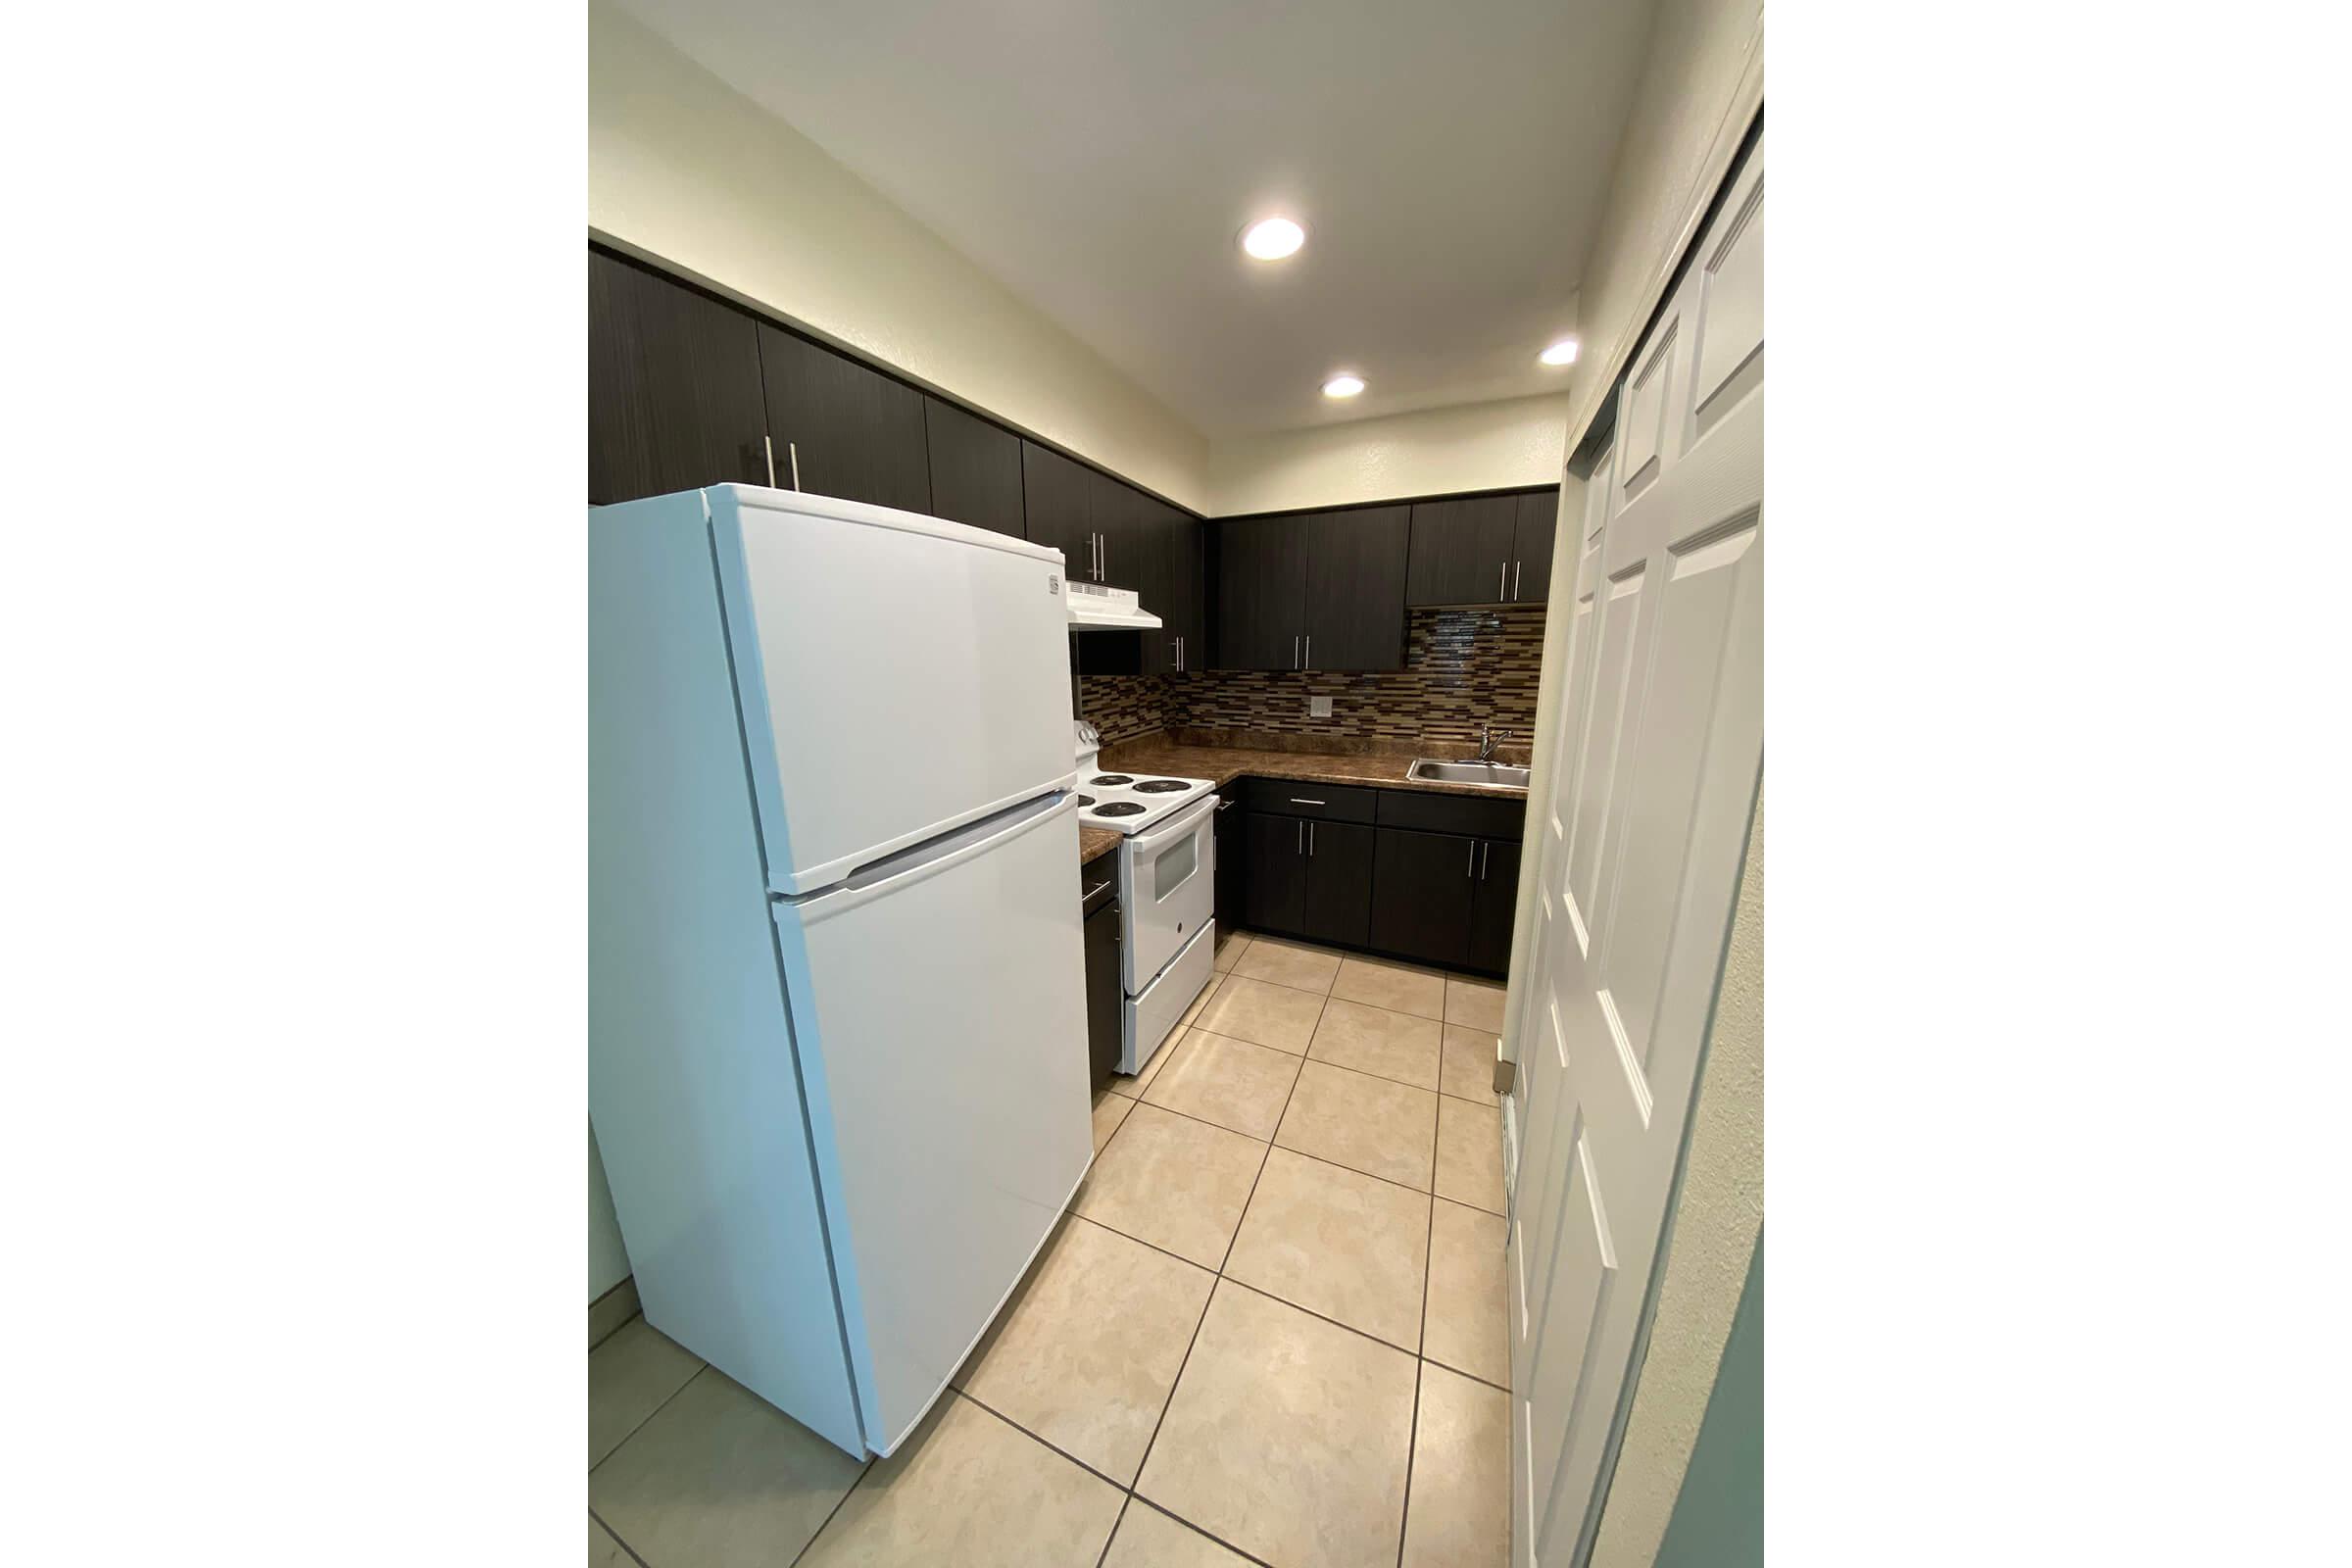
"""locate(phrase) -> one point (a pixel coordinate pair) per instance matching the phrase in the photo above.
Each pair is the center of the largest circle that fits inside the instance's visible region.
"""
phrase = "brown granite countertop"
(1096, 842)
(1224, 756)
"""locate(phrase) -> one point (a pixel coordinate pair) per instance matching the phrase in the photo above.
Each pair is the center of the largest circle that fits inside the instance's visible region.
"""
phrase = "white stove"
(1132, 803)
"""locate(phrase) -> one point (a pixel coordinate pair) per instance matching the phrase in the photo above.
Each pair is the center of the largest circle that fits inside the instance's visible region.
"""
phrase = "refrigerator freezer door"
(938, 1006)
(899, 676)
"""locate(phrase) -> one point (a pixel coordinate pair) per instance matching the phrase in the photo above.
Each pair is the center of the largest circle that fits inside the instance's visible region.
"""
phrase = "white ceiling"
(1100, 160)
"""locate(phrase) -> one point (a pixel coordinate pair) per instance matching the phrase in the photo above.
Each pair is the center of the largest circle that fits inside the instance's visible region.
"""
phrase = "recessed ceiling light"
(1343, 386)
(1270, 239)
(1561, 353)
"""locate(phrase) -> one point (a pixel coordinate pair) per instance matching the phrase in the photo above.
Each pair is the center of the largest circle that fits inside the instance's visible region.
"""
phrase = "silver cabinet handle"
(1301, 836)
(768, 444)
(1097, 888)
(1502, 575)
(1294, 650)
(1226, 806)
(1481, 859)
(1310, 840)
(1471, 868)
(1300, 799)
(792, 450)
(1515, 581)
(1311, 651)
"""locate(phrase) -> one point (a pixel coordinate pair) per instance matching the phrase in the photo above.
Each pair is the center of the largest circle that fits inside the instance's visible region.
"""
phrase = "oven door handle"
(1187, 822)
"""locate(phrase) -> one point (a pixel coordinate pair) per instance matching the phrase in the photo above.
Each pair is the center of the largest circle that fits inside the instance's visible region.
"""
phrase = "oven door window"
(1174, 866)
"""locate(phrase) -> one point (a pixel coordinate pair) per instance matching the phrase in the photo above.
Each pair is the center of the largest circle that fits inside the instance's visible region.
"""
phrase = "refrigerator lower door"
(938, 1006)
(899, 675)
(1151, 1017)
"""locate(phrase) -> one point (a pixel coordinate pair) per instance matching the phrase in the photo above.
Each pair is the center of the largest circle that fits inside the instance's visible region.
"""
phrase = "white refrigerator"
(837, 1037)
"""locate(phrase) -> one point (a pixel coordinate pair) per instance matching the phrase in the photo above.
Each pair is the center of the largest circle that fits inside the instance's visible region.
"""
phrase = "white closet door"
(1661, 749)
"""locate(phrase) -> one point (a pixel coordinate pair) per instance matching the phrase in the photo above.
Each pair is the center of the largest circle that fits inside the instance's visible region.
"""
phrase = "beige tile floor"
(1271, 1328)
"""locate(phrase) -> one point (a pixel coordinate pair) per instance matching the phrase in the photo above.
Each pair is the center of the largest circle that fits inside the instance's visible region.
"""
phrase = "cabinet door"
(855, 432)
(1105, 1026)
(975, 469)
(1122, 532)
(1339, 883)
(1493, 904)
(1355, 589)
(1274, 898)
(1261, 592)
(1167, 546)
(1191, 621)
(1531, 552)
(1461, 553)
(1422, 890)
(673, 387)
(1233, 868)
(1058, 507)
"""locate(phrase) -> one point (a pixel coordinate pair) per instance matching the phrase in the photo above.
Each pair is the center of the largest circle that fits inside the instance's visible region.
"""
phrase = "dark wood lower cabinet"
(1339, 883)
(1422, 891)
(1307, 878)
(1099, 906)
(1233, 868)
(1274, 894)
(1493, 906)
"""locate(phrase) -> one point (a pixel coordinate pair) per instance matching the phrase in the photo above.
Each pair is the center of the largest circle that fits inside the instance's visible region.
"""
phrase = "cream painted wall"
(1701, 82)
(1716, 1223)
(1475, 446)
(683, 169)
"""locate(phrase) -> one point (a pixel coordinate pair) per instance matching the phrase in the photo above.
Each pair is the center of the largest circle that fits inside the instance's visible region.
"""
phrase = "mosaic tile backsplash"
(1462, 668)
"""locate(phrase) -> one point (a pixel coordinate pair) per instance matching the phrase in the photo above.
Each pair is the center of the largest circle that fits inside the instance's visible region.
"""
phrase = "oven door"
(1167, 881)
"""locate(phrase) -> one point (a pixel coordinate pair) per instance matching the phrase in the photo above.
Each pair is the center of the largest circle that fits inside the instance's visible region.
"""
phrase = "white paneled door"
(1661, 747)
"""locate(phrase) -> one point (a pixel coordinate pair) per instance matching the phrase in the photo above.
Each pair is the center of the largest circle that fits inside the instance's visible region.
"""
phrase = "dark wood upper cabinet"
(673, 387)
(1189, 546)
(1059, 505)
(975, 470)
(1531, 550)
(852, 431)
(1354, 613)
(1461, 551)
(1168, 546)
(1261, 592)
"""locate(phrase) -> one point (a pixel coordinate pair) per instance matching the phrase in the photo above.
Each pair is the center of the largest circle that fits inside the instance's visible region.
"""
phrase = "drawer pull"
(1300, 799)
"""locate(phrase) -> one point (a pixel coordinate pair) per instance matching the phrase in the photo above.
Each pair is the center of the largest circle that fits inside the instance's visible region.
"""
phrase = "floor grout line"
(1429, 1255)
(606, 1526)
(702, 1367)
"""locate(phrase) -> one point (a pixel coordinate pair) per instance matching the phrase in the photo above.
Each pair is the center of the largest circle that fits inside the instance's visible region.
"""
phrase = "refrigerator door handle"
(928, 859)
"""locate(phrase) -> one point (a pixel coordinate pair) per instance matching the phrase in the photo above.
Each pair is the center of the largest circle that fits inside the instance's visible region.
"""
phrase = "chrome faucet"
(1488, 735)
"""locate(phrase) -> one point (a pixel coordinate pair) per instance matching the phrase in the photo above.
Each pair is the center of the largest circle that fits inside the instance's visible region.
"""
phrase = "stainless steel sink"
(1493, 775)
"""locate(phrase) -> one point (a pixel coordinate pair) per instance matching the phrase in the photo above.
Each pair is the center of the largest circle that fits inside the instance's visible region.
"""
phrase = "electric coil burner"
(1135, 801)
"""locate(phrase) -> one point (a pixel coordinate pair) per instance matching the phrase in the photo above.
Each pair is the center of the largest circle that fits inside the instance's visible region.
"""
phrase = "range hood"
(1095, 608)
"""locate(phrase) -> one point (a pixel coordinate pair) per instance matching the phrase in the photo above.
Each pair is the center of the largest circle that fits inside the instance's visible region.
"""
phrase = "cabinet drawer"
(1476, 815)
(1330, 803)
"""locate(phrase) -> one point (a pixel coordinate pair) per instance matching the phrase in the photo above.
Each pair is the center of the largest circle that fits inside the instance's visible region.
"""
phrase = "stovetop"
(1130, 803)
